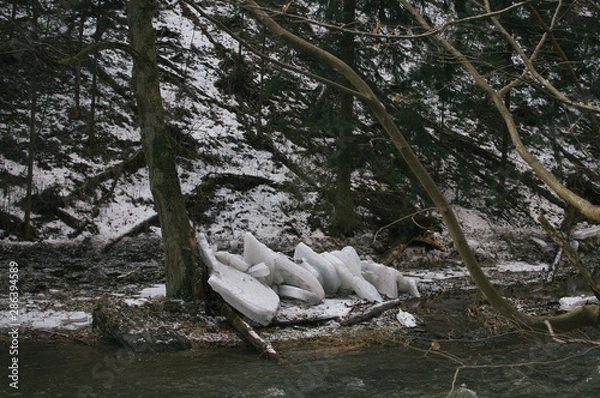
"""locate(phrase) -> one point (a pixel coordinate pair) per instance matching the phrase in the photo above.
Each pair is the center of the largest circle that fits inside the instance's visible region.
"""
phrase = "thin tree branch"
(264, 56)
(566, 62)
(588, 209)
(93, 49)
(532, 69)
(429, 32)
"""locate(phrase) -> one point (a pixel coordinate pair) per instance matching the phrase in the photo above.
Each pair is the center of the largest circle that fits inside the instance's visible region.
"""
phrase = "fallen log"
(133, 231)
(247, 333)
(363, 314)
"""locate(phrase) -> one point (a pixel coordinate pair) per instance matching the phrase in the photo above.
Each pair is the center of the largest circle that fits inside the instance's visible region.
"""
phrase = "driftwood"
(360, 313)
(426, 237)
(571, 254)
(367, 313)
(133, 231)
(247, 333)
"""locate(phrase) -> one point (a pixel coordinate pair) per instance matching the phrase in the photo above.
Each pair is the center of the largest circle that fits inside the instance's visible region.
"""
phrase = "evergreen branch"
(264, 56)
(429, 32)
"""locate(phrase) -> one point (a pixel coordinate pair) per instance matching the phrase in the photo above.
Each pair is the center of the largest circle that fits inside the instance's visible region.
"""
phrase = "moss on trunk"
(178, 238)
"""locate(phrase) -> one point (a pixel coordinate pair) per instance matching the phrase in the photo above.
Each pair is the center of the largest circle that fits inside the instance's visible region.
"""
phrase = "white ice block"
(240, 290)
(351, 264)
(407, 285)
(342, 271)
(293, 274)
(298, 294)
(331, 281)
(406, 319)
(365, 290)
(584, 233)
(380, 276)
(256, 252)
(259, 270)
(352, 255)
(233, 260)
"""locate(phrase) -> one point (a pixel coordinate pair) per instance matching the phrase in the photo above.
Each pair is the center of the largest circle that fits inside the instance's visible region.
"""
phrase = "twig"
(567, 341)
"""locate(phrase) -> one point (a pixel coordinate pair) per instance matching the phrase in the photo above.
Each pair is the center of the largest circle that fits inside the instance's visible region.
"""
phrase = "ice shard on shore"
(256, 252)
(299, 294)
(382, 277)
(253, 283)
(233, 260)
(365, 290)
(294, 275)
(342, 271)
(331, 281)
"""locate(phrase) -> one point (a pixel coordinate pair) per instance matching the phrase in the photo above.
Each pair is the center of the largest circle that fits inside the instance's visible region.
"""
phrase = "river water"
(533, 368)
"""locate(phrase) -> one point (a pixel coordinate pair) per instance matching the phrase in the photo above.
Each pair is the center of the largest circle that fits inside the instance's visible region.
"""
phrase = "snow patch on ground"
(47, 320)
(521, 266)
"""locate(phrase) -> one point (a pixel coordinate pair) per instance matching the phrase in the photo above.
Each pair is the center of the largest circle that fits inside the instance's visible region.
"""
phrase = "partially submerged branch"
(247, 333)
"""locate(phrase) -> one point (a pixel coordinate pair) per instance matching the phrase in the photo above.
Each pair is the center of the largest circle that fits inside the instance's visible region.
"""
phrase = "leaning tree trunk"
(584, 316)
(178, 237)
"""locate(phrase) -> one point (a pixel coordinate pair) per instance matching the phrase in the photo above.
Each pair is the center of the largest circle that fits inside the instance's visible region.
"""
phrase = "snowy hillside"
(234, 181)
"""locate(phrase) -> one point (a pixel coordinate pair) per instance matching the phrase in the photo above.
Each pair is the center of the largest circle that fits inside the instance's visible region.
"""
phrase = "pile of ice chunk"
(253, 282)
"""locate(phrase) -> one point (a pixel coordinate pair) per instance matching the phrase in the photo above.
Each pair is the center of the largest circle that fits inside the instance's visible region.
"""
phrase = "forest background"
(270, 140)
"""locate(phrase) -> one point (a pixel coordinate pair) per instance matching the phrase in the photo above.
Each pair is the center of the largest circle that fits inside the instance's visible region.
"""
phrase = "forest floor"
(61, 283)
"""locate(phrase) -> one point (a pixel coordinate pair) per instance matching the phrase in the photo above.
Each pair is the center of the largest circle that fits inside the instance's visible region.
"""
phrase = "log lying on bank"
(363, 314)
(137, 229)
(247, 333)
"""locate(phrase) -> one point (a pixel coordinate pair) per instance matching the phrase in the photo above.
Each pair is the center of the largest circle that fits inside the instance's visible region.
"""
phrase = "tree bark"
(178, 238)
(345, 219)
(32, 130)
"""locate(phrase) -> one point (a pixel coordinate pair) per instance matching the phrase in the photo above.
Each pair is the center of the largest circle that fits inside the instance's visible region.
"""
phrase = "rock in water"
(331, 281)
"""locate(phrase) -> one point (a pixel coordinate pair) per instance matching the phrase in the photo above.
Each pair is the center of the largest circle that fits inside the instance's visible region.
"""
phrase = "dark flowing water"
(80, 371)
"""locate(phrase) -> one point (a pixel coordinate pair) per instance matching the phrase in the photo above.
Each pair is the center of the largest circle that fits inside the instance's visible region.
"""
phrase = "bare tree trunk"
(345, 219)
(178, 238)
(91, 144)
(32, 130)
(77, 110)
